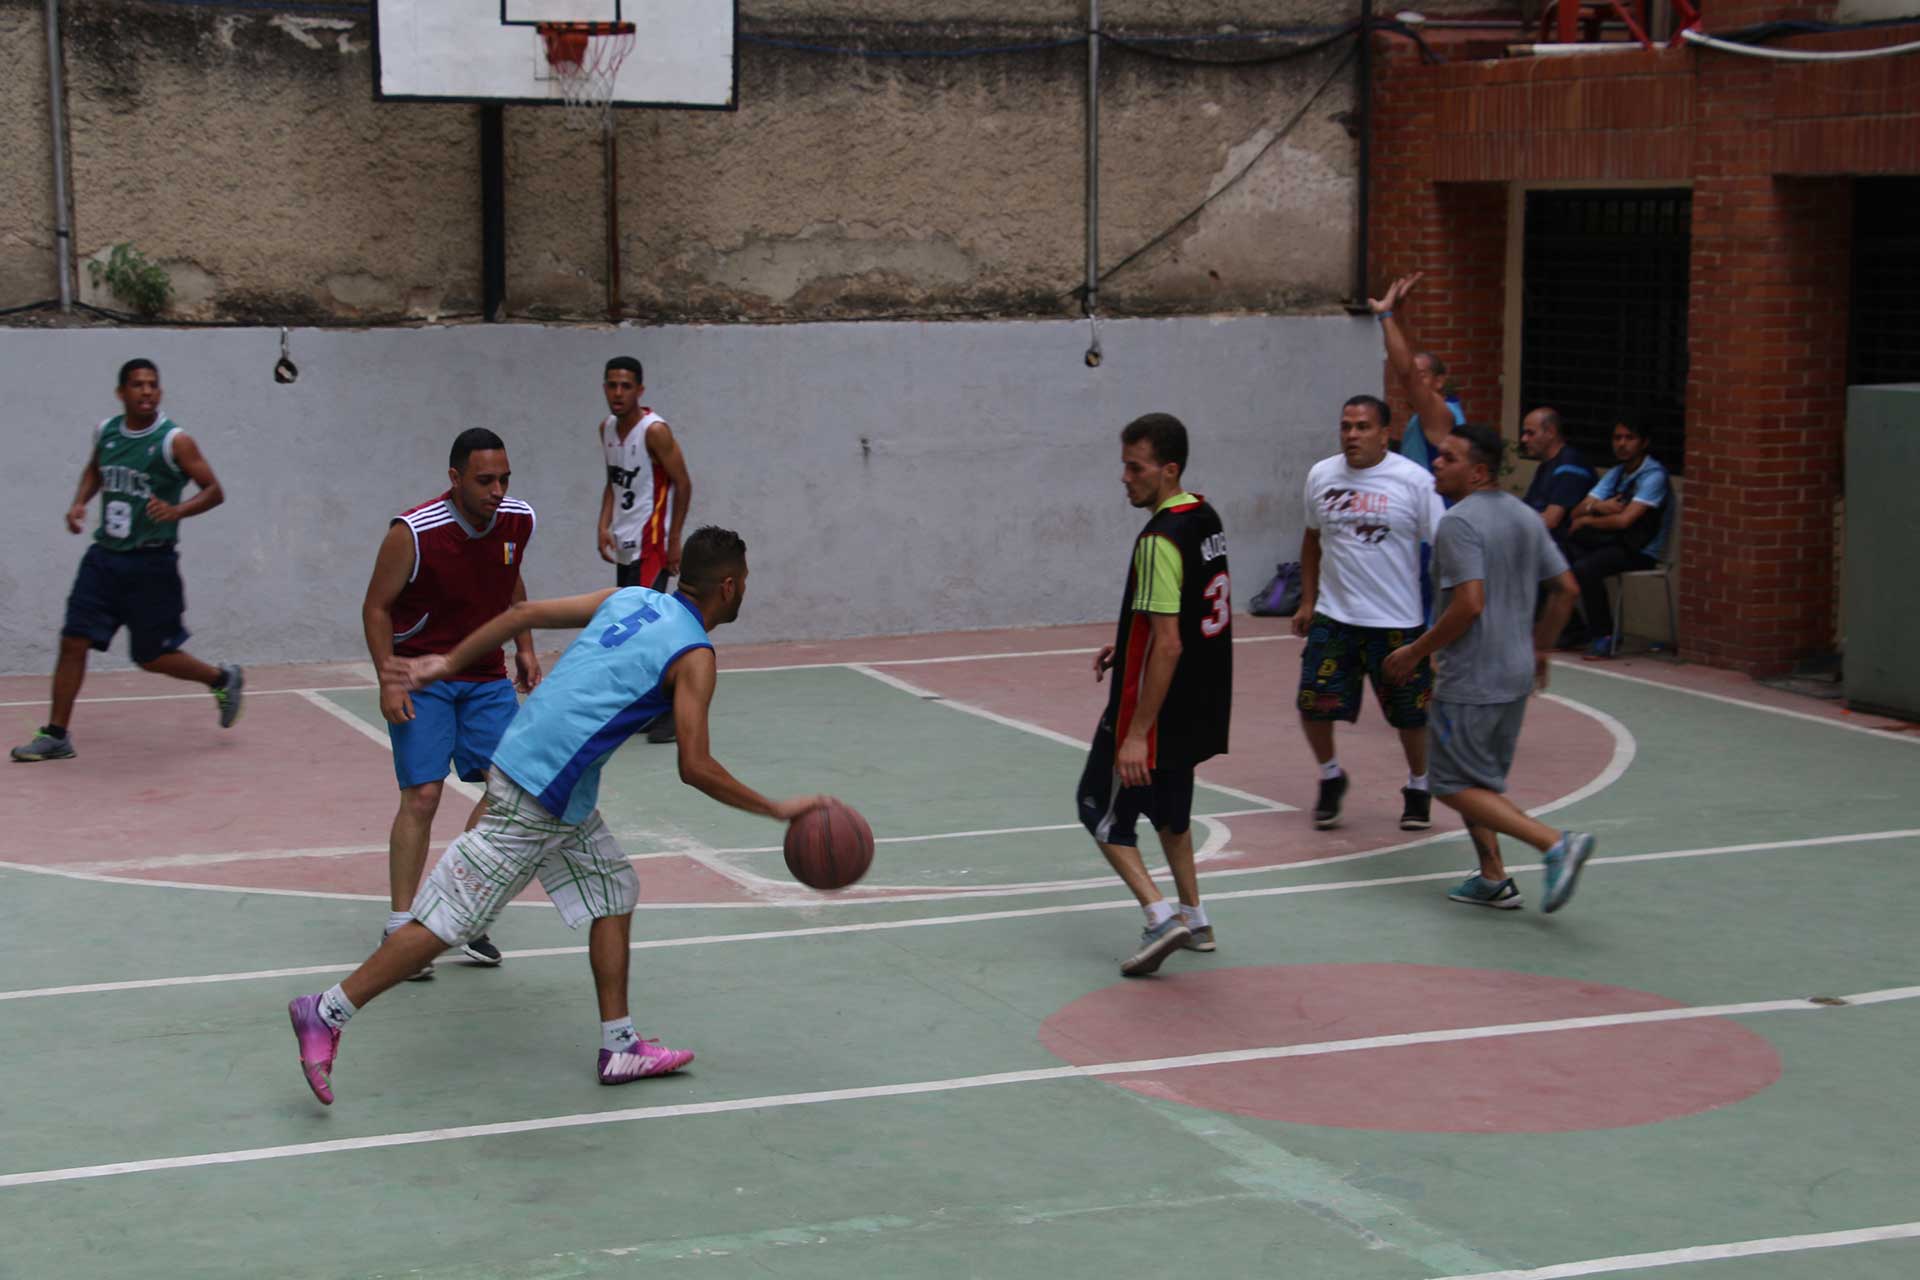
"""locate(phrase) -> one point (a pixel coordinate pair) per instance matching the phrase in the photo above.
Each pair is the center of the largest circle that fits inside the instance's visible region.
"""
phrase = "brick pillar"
(1766, 411)
(1455, 232)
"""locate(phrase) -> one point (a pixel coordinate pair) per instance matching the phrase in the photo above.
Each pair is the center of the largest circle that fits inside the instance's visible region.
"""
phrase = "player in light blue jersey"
(642, 653)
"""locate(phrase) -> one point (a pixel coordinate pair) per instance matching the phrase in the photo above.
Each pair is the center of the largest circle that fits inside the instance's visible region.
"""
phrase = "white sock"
(618, 1036)
(397, 918)
(1416, 782)
(1331, 769)
(1158, 913)
(1193, 917)
(335, 1008)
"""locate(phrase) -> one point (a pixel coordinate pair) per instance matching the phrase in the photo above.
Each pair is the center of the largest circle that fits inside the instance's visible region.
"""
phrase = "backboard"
(489, 51)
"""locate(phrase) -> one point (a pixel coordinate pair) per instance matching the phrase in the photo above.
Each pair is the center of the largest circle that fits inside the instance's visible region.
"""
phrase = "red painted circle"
(1542, 1082)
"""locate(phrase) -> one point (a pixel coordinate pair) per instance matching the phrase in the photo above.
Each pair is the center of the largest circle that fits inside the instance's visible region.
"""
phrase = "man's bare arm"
(666, 450)
(693, 676)
(1309, 581)
(83, 494)
(527, 616)
(187, 456)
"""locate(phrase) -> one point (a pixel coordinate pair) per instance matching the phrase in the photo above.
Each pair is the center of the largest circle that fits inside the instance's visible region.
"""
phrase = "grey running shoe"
(1156, 944)
(1200, 939)
(44, 747)
(481, 950)
(227, 696)
(1477, 891)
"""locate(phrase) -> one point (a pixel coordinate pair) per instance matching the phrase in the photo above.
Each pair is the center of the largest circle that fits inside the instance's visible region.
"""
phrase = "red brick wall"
(1768, 311)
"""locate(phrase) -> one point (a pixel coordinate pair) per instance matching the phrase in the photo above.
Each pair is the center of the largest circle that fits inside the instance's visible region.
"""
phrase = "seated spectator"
(1619, 527)
(1562, 478)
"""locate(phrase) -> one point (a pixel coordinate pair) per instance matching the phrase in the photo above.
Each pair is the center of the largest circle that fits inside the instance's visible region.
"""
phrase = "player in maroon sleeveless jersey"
(444, 568)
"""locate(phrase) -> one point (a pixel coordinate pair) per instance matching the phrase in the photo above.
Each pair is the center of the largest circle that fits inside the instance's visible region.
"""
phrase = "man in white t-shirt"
(1368, 511)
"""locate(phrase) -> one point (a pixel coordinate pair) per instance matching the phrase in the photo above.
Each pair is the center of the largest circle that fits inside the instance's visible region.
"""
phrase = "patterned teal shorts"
(1339, 656)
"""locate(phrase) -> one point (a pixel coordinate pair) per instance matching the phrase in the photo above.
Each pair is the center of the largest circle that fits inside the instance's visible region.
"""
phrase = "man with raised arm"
(139, 464)
(642, 653)
(1421, 373)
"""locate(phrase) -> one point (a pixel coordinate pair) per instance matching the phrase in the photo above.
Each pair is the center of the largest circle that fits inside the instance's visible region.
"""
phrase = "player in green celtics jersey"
(130, 577)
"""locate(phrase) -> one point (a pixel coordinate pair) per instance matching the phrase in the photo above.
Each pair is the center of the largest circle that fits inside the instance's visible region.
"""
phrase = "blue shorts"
(455, 722)
(139, 590)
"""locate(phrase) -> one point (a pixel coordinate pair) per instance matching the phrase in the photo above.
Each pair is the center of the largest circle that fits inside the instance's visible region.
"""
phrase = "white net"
(583, 61)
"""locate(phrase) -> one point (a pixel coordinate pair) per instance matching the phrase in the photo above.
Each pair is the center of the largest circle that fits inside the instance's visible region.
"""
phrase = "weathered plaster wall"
(987, 493)
(243, 149)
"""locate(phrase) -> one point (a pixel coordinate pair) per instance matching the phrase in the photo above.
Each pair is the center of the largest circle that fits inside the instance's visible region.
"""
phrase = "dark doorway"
(1885, 339)
(1603, 327)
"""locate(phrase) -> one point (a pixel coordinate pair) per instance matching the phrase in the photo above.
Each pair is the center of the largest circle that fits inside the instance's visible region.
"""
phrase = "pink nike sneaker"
(644, 1058)
(318, 1045)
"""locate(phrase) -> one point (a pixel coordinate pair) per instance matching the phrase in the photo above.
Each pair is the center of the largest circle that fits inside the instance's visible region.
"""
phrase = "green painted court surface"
(874, 1093)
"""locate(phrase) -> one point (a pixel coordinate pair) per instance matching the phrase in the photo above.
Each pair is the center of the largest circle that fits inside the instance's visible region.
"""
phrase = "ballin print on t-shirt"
(1364, 515)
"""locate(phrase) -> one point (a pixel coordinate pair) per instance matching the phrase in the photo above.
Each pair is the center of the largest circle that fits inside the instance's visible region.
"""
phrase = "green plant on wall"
(132, 278)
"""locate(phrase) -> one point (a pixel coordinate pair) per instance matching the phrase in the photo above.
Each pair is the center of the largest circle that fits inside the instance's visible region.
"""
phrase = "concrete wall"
(242, 148)
(987, 492)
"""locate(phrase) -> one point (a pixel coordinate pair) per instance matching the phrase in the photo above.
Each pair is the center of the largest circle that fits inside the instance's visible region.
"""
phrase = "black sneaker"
(661, 730)
(1416, 809)
(481, 950)
(1326, 810)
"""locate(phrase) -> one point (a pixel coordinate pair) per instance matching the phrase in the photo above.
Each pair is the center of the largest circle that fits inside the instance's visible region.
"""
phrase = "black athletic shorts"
(139, 590)
(1110, 810)
(628, 575)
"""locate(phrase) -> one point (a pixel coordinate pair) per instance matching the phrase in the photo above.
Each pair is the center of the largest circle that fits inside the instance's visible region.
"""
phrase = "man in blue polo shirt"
(1621, 526)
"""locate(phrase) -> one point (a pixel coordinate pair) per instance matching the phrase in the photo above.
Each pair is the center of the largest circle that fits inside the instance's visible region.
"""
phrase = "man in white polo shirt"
(1368, 511)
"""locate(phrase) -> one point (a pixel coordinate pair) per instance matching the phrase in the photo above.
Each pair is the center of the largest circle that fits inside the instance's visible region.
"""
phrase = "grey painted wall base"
(887, 477)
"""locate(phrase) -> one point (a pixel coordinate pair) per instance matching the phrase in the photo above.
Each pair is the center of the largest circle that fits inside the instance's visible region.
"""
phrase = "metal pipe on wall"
(493, 213)
(1093, 182)
(56, 103)
(610, 144)
(1363, 109)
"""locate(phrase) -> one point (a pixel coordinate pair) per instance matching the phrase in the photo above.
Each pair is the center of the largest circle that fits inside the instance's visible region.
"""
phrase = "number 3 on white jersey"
(1220, 591)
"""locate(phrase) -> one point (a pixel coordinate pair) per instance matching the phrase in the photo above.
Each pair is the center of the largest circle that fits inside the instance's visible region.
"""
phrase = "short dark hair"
(1439, 365)
(470, 441)
(628, 363)
(1375, 403)
(1166, 433)
(134, 366)
(1484, 445)
(1549, 418)
(1635, 424)
(709, 554)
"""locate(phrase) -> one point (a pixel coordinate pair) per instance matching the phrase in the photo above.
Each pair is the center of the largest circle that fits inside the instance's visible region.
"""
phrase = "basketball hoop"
(583, 60)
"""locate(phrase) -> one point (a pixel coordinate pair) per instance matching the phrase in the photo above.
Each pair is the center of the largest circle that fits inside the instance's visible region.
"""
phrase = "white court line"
(1595, 669)
(185, 697)
(964, 657)
(1027, 726)
(1705, 1253)
(976, 917)
(354, 722)
(366, 668)
(1092, 1071)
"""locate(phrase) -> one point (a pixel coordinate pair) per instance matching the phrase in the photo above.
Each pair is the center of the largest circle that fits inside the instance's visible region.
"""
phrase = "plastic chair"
(1662, 569)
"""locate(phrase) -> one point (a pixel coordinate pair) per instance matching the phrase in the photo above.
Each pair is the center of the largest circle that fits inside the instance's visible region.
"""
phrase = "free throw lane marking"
(770, 1102)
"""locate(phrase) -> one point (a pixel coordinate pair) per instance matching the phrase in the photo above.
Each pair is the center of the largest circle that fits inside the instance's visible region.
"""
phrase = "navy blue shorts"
(455, 722)
(138, 590)
(1110, 811)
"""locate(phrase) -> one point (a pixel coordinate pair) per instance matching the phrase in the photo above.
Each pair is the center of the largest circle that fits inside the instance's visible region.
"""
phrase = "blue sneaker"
(1600, 649)
(1156, 944)
(1478, 891)
(1564, 862)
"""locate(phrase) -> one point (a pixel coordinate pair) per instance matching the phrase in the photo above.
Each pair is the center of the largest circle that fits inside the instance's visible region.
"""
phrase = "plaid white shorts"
(581, 868)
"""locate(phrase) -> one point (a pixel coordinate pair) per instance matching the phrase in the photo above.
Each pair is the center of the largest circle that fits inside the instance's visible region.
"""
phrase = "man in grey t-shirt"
(1490, 557)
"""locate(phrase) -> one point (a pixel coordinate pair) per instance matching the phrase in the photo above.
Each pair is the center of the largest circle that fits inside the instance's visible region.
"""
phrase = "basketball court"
(941, 1072)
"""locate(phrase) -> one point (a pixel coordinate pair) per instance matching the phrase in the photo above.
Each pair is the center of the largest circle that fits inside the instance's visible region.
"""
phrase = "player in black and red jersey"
(445, 567)
(1172, 693)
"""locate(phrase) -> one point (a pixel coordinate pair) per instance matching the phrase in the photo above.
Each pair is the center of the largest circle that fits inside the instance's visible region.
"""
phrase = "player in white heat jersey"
(644, 505)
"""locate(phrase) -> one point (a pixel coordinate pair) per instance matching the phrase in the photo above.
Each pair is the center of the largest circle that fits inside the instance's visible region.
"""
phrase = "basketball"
(830, 847)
